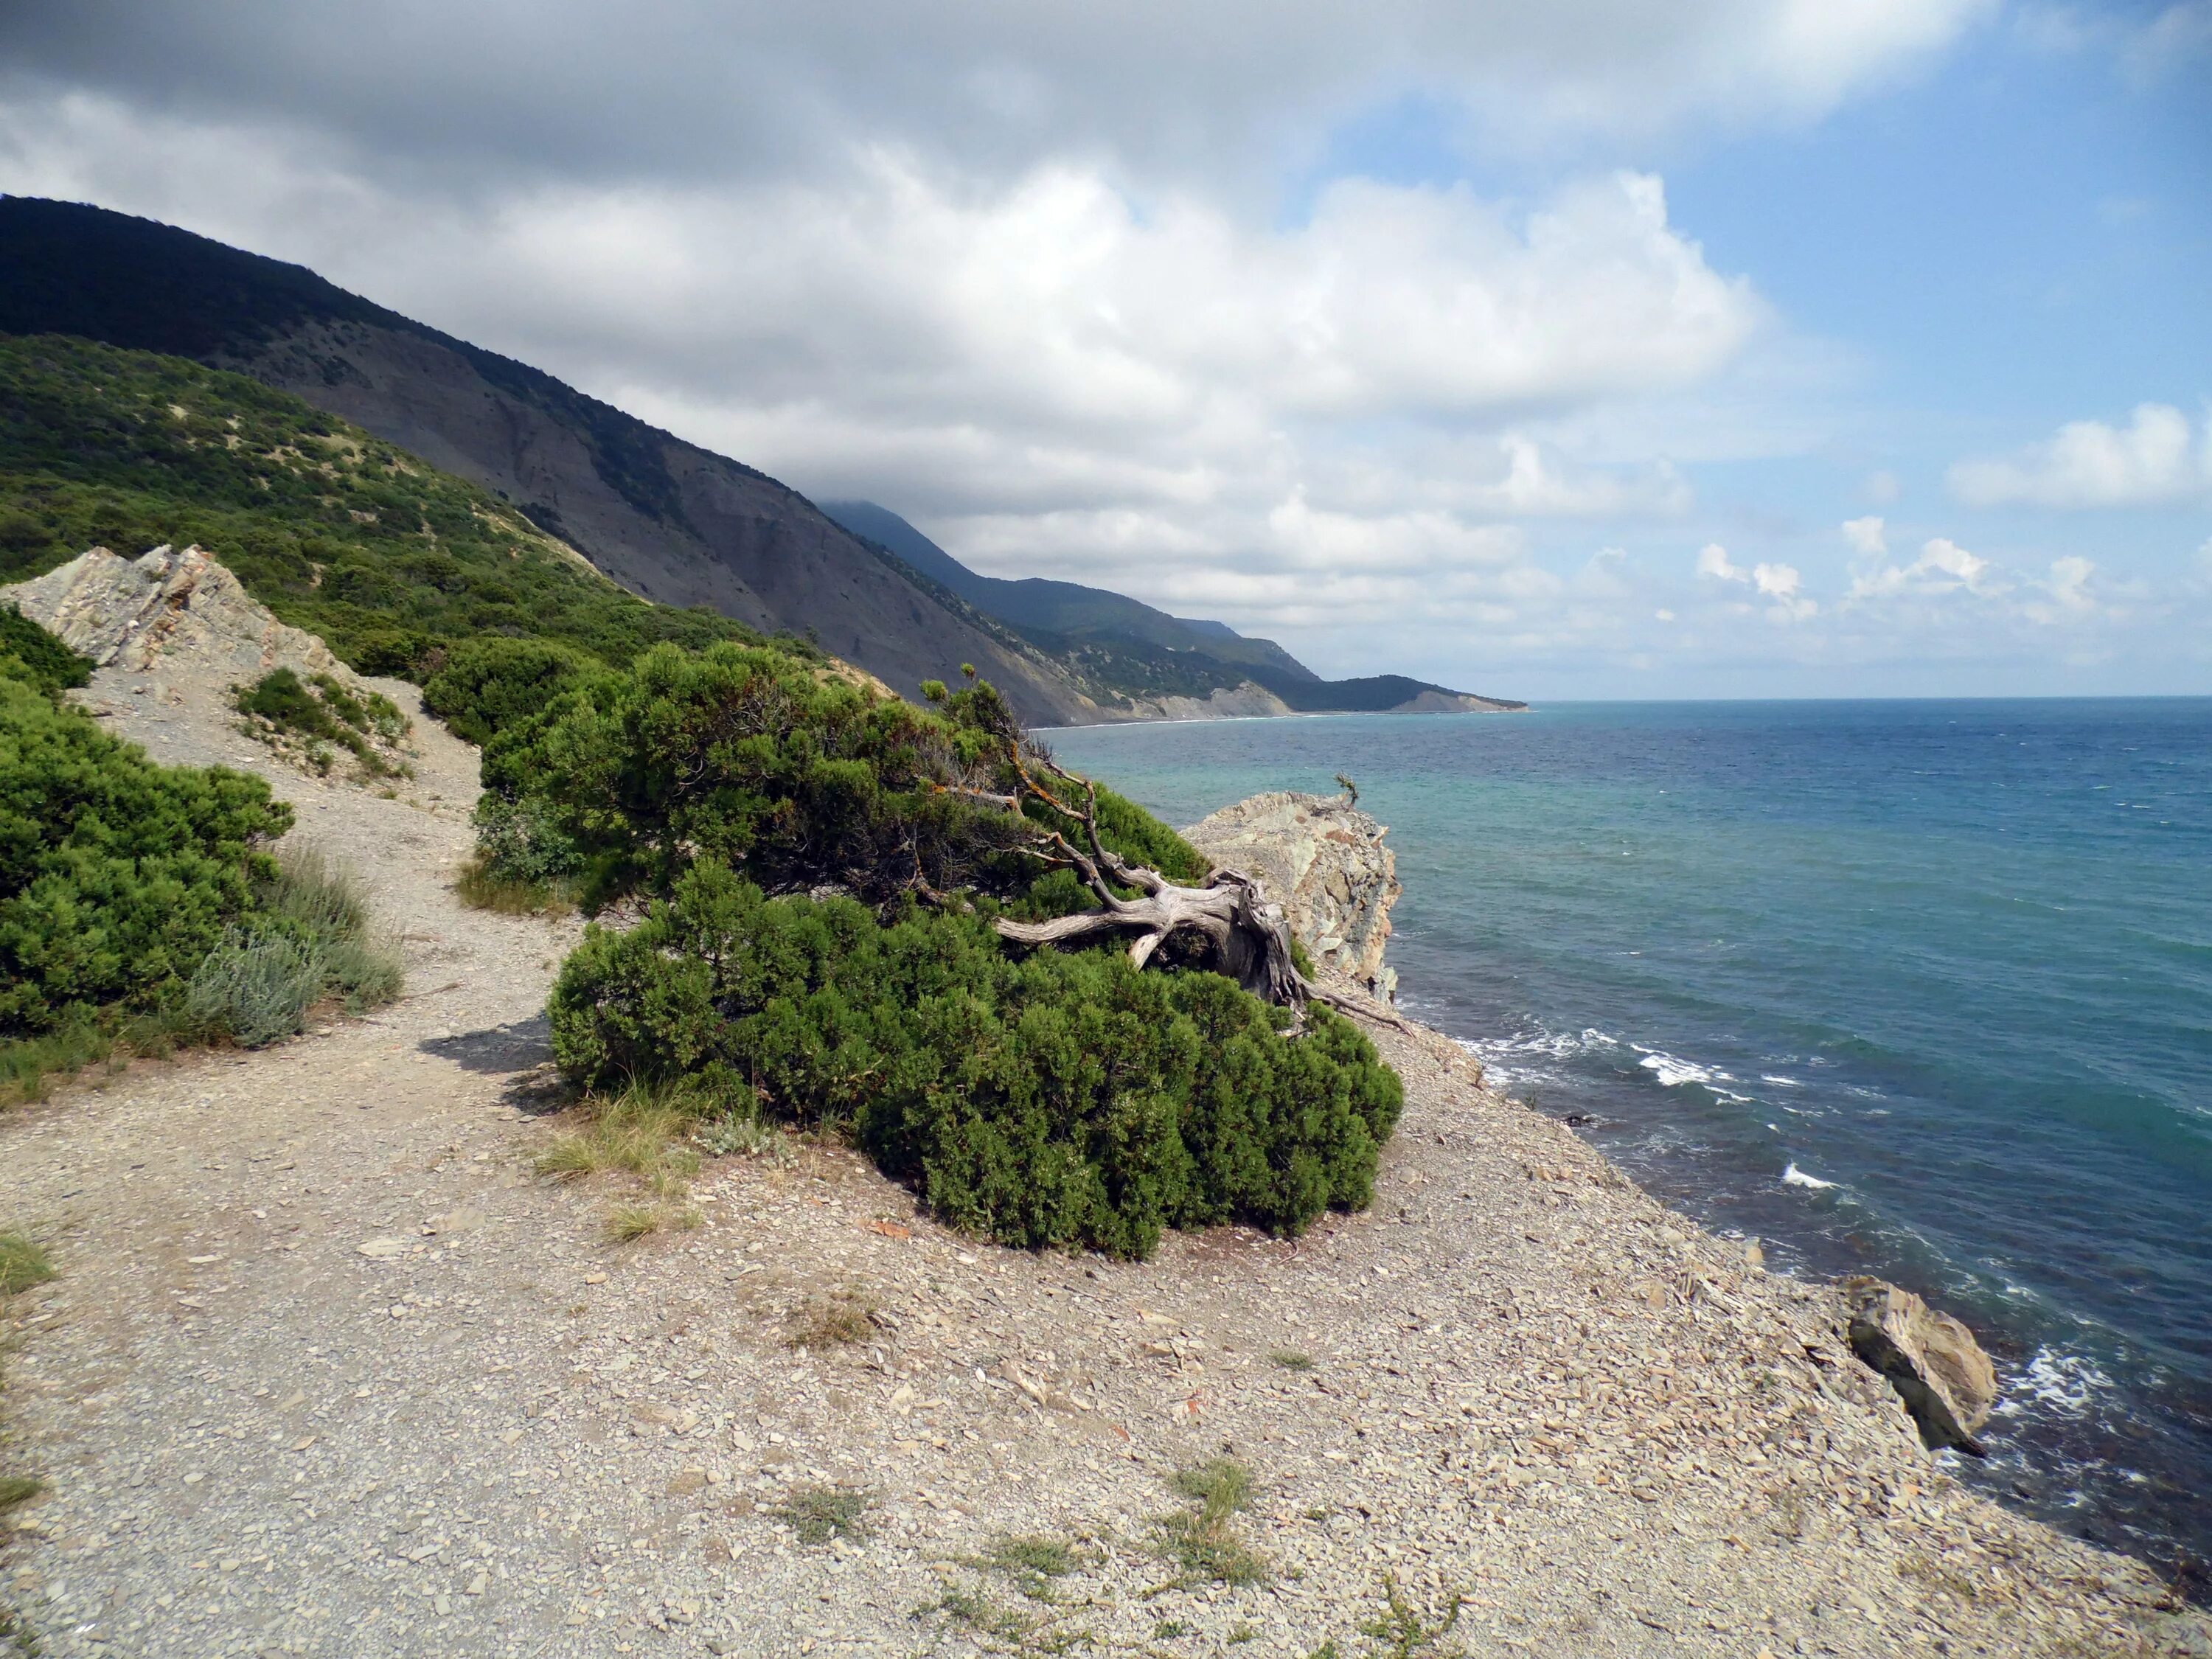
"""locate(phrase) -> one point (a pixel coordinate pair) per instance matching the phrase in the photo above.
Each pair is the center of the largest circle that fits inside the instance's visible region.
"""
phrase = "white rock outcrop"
(1324, 861)
(134, 613)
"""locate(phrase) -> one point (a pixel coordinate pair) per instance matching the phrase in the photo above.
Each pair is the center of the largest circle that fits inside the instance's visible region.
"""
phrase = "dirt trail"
(328, 1371)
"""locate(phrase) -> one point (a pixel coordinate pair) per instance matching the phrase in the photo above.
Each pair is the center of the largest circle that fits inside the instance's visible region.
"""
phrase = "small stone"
(382, 1249)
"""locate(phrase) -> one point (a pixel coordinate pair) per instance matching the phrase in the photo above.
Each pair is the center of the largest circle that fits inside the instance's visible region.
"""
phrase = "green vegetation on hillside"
(392, 562)
(140, 902)
(1066, 1100)
(1063, 1099)
(317, 712)
(29, 653)
(780, 770)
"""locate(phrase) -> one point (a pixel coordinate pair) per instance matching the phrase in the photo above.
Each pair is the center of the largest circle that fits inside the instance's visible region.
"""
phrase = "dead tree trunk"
(1241, 933)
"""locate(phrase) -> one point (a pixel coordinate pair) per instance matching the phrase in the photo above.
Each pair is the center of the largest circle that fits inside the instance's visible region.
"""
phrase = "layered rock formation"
(1932, 1360)
(135, 613)
(1324, 861)
(179, 630)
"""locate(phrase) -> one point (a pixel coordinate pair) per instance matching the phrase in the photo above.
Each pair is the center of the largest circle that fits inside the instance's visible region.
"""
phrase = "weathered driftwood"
(1239, 933)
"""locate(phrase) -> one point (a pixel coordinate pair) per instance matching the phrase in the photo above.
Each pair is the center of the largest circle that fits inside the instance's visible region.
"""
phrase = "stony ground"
(328, 1370)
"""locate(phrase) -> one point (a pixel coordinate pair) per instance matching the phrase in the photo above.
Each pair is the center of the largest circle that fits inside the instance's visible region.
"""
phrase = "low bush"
(320, 710)
(1062, 1100)
(117, 875)
(307, 942)
(490, 684)
(776, 767)
(30, 653)
(522, 841)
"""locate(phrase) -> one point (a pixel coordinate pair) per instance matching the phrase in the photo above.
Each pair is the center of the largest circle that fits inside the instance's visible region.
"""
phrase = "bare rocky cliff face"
(1324, 861)
(167, 607)
(177, 630)
(663, 517)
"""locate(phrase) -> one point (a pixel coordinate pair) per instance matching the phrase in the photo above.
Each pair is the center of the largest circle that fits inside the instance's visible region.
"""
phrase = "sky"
(1547, 348)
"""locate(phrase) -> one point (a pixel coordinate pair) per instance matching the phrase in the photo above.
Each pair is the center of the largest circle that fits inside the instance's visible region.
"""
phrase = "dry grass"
(637, 1132)
(628, 1223)
(480, 890)
(837, 1320)
(1291, 1360)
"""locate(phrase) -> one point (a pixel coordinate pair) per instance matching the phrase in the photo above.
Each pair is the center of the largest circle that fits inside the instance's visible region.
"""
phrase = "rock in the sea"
(134, 612)
(1324, 861)
(1932, 1360)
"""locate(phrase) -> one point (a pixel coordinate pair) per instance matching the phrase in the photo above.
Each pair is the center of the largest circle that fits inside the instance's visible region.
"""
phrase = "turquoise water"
(1917, 989)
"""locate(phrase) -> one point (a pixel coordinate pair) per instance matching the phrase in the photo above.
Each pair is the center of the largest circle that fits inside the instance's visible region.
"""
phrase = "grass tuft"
(1402, 1632)
(1032, 1561)
(1291, 1360)
(22, 1263)
(636, 1132)
(480, 888)
(818, 1513)
(18, 1489)
(1203, 1541)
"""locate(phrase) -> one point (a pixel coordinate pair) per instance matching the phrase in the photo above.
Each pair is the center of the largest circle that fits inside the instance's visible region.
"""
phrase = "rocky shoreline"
(328, 1370)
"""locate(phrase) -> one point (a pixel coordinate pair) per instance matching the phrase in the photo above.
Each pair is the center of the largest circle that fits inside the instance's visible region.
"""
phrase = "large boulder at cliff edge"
(1932, 1359)
(1324, 861)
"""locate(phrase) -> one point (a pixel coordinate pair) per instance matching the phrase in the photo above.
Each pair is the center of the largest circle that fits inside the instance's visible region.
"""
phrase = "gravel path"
(327, 1370)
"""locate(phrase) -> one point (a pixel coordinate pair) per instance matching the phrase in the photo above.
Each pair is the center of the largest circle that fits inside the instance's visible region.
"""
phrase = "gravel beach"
(329, 1369)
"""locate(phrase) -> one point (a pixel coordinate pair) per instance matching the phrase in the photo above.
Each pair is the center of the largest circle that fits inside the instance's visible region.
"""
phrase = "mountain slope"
(1038, 604)
(1130, 647)
(663, 517)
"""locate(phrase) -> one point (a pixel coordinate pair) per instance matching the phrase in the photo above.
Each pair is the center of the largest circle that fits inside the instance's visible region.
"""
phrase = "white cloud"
(2069, 588)
(1943, 567)
(1868, 537)
(1713, 563)
(2150, 462)
(1778, 582)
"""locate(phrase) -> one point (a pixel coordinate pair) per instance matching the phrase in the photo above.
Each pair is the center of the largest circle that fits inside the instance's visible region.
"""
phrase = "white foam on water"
(1794, 1176)
(1520, 1058)
(1673, 1072)
(2066, 1383)
(1784, 1082)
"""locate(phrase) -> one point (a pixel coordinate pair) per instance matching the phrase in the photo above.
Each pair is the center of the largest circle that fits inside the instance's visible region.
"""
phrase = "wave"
(2066, 1383)
(1520, 1058)
(1673, 1072)
(1794, 1176)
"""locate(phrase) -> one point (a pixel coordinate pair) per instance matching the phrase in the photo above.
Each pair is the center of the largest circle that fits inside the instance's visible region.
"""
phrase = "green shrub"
(30, 653)
(254, 987)
(117, 875)
(490, 684)
(787, 773)
(1063, 1100)
(319, 710)
(522, 841)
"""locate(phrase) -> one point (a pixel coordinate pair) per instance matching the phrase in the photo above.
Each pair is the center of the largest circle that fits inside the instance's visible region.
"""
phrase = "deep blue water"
(1917, 989)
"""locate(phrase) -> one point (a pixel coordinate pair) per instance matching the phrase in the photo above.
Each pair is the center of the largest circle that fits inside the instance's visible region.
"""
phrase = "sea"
(1921, 989)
